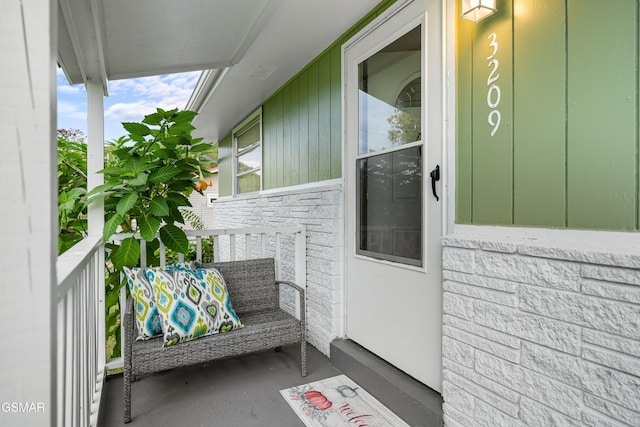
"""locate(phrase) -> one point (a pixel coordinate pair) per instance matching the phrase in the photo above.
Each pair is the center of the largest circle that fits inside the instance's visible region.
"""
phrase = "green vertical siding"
(225, 159)
(493, 168)
(464, 143)
(302, 121)
(539, 114)
(566, 154)
(602, 114)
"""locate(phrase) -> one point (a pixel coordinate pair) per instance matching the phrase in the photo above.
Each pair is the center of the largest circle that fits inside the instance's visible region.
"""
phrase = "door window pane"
(389, 210)
(390, 95)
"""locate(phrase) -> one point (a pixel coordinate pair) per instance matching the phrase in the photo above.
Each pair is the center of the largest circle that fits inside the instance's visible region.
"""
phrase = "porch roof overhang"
(248, 48)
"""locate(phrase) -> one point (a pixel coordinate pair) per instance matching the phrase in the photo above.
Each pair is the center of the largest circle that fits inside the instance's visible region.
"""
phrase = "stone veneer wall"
(536, 335)
(319, 208)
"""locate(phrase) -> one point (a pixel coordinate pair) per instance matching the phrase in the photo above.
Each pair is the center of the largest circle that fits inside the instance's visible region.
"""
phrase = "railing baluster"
(216, 248)
(143, 253)
(278, 255)
(199, 248)
(163, 255)
(232, 247)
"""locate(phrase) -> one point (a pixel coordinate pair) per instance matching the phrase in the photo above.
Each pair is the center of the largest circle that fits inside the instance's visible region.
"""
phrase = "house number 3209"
(493, 92)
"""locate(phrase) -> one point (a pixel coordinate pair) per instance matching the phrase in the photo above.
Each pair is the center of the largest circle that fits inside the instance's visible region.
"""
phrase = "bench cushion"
(263, 330)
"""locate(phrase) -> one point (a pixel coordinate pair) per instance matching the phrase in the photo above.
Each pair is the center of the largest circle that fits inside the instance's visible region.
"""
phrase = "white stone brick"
(593, 419)
(487, 416)
(481, 343)
(601, 255)
(496, 246)
(561, 366)
(612, 359)
(454, 418)
(457, 305)
(480, 383)
(610, 274)
(602, 339)
(482, 281)
(545, 331)
(536, 415)
(506, 373)
(497, 297)
(458, 351)
(597, 313)
(456, 241)
(612, 410)
(625, 293)
(481, 331)
(559, 396)
(612, 385)
(482, 394)
(458, 398)
(455, 259)
(535, 271)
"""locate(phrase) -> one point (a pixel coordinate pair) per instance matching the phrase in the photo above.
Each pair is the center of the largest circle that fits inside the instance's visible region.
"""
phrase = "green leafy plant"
(148, 175)
(153, 172)
(72, 184)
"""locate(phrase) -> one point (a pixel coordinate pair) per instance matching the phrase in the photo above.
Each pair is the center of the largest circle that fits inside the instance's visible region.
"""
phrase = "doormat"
(338, 401)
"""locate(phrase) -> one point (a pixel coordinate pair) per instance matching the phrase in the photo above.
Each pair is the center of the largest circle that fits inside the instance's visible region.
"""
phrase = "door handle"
(435, 176)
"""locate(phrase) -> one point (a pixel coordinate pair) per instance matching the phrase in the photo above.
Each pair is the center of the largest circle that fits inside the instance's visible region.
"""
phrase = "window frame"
(244, 126)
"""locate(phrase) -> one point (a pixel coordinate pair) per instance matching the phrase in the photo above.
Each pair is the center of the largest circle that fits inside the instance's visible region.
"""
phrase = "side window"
(247, 150)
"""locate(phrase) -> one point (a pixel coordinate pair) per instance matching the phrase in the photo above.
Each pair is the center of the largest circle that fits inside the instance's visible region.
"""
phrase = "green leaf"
(185, 116)
(174, 238)
(165, 153)
(127, 254)
(139, 180)
(111, 225)
(199, 148)
(181, 128)
(126, 203)
(172, 141)
(100, 189)
(163, 174)
(159, 207)
(149, 227)
(152, 119)
(136, 128)
(177, 199)
(122, 153)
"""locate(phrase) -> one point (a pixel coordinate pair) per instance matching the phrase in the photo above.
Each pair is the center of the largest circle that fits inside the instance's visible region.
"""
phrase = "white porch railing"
(81, 333)
(287, 245)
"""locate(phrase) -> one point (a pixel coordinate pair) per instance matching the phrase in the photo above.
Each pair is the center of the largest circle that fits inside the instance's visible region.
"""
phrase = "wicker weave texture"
(254, 294)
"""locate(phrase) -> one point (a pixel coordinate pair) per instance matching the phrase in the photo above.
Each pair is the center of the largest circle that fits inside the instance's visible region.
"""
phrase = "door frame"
(446, 131)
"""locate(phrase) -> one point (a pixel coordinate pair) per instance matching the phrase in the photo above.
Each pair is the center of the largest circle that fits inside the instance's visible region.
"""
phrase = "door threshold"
(417, 404)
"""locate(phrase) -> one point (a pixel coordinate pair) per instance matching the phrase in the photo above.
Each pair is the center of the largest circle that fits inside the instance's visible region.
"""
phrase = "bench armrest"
(302, 300)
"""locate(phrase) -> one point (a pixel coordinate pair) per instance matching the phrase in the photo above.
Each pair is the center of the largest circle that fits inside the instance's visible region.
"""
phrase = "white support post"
(95, 153)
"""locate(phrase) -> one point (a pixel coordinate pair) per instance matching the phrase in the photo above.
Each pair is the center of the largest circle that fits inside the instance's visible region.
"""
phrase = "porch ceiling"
(251, 46)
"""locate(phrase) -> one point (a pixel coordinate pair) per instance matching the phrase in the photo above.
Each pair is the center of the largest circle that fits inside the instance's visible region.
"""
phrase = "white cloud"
(70, 110)
(127, 111)
(69, 90)
(143, 95)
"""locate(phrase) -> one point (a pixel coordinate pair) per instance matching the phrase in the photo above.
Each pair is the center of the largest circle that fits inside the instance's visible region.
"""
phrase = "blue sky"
(128, 101)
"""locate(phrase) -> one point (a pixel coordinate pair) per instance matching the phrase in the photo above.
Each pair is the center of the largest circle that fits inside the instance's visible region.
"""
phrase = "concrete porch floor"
(241, 392)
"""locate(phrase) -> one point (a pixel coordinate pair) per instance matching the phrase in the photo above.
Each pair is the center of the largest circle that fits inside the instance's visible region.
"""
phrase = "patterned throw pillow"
(148, 318)
(192, 303)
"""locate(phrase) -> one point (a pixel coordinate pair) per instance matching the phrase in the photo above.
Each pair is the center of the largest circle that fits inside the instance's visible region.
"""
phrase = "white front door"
(393, 135)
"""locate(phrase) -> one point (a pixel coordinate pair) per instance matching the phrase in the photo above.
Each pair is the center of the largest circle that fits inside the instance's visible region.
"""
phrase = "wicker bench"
(254, 293)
